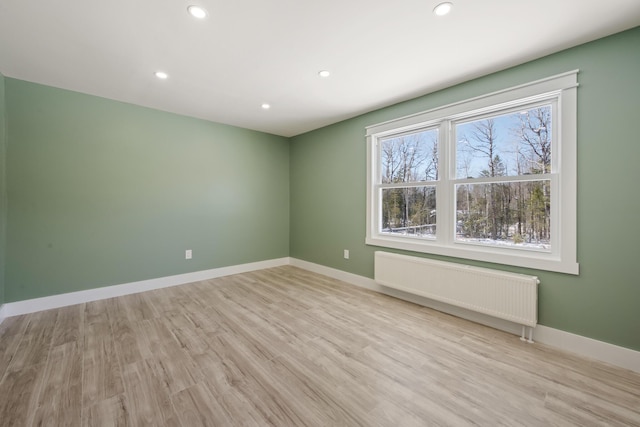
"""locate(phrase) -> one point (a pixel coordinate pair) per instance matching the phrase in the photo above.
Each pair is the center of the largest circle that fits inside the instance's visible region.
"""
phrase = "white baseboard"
(588, 347)
(566, 341)
(72, 298)
(3, 314)
(355, 279)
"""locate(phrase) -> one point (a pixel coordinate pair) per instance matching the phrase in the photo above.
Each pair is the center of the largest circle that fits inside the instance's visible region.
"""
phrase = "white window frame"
(561, 92)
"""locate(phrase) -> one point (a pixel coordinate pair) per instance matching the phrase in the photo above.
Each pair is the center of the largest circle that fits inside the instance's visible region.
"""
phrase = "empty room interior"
(357, 213)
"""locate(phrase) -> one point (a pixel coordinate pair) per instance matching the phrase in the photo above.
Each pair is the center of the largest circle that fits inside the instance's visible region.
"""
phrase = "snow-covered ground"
(545, 246)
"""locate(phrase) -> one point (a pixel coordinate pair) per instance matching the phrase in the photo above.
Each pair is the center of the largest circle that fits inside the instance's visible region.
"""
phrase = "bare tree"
(403, 160)
(535, 131)
(394, 162)
(483, 141)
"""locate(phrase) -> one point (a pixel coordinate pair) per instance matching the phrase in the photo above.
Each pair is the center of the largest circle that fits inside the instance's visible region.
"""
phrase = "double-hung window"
(492, 178)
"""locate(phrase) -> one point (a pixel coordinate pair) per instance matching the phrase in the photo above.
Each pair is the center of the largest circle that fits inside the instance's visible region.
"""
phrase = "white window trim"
(563, 257)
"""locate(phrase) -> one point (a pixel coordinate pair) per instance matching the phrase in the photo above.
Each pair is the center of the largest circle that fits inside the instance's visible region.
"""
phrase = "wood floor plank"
(241, 410)
(102, 376)
(191, 338)
(154, 339)
(176, 370)
(197, 406)
(126, 341)
(147, 397)
(111, 412)
(69, 325)
(220, 370)
(36, 341)
(20, 389)
(11, 333)
(378, 380)
(287, 347)
(316, 400)
(60, 400)
(134, 307)
(584, 409)
(307, 405)
(97, 311)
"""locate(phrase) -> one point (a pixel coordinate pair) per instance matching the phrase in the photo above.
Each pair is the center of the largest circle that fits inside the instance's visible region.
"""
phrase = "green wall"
(603, 302)
(102, 192)
(3, 187)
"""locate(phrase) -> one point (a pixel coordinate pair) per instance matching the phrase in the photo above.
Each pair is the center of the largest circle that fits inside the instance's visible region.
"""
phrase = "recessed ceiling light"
(161, 75)
(266, 106)
(197, 12)
(443, 8)
(324, 73)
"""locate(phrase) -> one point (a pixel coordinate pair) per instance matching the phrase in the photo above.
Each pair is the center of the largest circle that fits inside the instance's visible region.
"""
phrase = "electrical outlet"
(346, 254)
(188, 254)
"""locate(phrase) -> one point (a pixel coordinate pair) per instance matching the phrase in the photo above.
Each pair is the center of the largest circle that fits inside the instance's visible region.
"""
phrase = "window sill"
(519, 258)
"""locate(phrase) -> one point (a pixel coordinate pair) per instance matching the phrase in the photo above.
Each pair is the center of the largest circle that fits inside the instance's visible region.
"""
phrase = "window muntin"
(531, 174)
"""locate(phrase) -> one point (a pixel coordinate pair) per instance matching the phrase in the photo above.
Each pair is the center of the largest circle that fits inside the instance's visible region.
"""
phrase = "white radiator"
(509, 296)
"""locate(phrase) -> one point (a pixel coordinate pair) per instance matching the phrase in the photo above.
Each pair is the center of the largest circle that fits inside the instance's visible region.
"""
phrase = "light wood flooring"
(286, 347)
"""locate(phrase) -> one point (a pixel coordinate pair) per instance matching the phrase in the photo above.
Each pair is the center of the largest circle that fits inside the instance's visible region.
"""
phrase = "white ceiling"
(248, 52)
